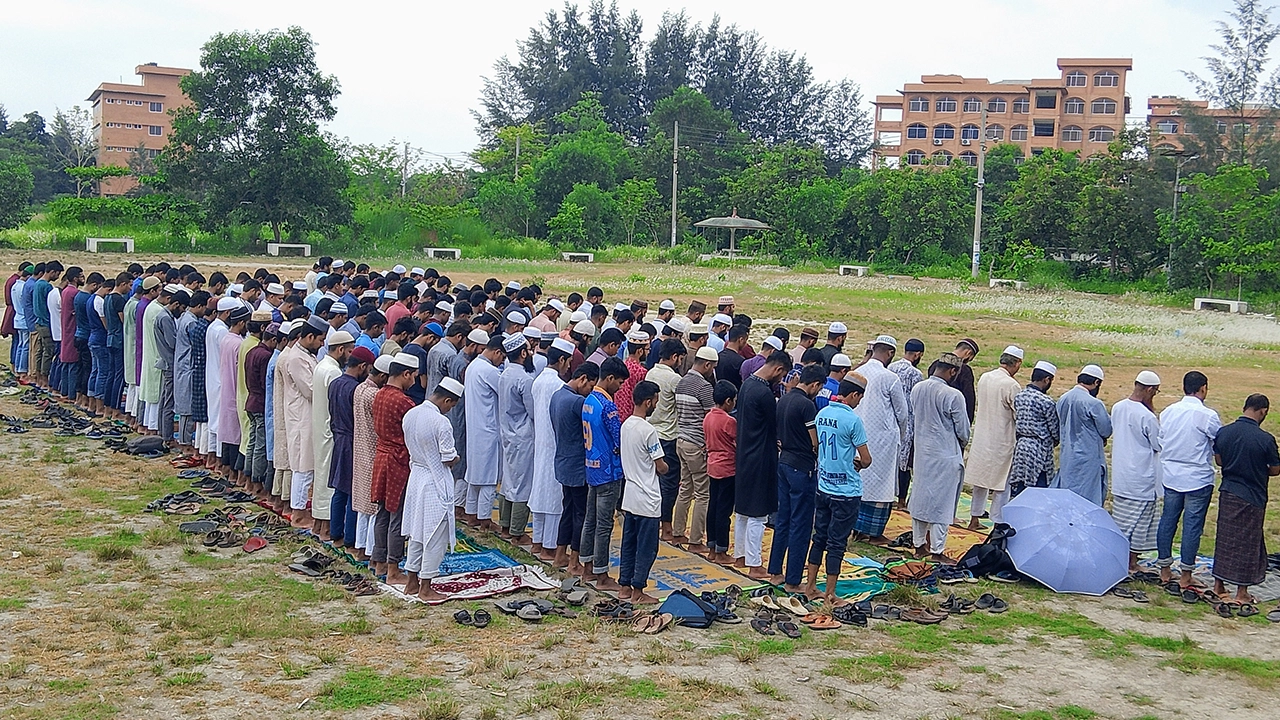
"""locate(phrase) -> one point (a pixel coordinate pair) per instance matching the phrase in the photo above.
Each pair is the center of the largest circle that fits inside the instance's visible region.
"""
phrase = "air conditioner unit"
(966, 141)
(937, 141)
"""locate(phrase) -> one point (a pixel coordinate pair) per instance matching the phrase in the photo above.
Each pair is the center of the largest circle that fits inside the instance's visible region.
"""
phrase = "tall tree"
(250, 143)
(73, 142)
(16, 184)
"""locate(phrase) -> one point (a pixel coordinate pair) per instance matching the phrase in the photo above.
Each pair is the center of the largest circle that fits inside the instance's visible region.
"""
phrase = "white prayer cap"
(1047, 366)
(725, 300)
(889, 340)
(398, 269)
(721, 319)
(562, 345)
(286, 327)
(699, 329)
(338, 264)
(235, 288)
(707, 352)
(517, 317)
(837, 328)
(226, 303)
(341, 337)
(679, 325)
(172, 288)
(1148, 378)
(417, 271)
(1014, 350)
(556, 304)
(299, 285)
(840, 360)
(478, 336)
(451, 386)
(369, 295)
(339, 307)
(514, 342)
(638, 337)
(532, 333)
(585, 327)
(445, 305)
(666, 305)
(619, 307)
(275, 289)
(383, 364)
(405, 359)
(576, 317)
(513, 285)
(773, 342)
(1091, 371)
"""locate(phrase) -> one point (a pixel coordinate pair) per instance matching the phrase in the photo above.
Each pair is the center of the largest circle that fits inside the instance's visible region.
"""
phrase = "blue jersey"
(840, 434)
(829, 388)
(602, 436)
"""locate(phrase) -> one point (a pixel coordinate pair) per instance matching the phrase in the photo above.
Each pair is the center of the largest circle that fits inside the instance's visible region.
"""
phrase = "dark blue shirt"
(81, 305)
(571, 454)
(113, 306)
(416, 390)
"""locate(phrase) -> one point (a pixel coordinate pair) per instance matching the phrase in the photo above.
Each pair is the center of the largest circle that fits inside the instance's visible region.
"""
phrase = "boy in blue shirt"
(842, 453)
(602, 430)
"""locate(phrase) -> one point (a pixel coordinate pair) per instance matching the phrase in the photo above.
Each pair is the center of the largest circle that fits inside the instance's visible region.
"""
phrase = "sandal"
(1190, 596)
(985, 602)
(1140, 597)
(998, 606)
(919, 615)
(660, 622)
(790, 629)
(462, 617)
(254, 544)
(764, 627)
(1223, 610)
(793, 606)
(849, 615)
(826, 622)
(481, 618)
(1247, 610)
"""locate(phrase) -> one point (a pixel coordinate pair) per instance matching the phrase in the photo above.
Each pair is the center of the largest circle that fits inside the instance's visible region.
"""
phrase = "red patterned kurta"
(362, 449)
(391, 457)
(623, 398)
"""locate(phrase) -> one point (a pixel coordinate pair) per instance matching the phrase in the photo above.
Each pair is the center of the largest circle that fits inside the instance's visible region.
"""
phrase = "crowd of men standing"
(379, 408)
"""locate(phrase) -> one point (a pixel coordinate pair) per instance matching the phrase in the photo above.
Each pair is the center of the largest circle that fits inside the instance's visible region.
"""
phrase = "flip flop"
(764, 627)
(790, 629)
(1189, 596)
(998, 606)
(660, 622)
(1173, 588)
(462, 617)
(642, 623)
(1247, 610)
(1121, 591)
(811, 618)
(530, 613)
(1140, 597)
(826, 622)
(1274, 615)
(576, 597)
(481, 618)
(985, 601)
(848, 615)
(1223, 610)
(254, 544)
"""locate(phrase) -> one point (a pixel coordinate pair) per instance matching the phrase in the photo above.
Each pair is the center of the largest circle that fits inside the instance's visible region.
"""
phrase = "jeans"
(639, 550)
(256, 460)
(573, 515)
(100, 366)
(719, 512)
(597, 527)
(115, 378)
(70, 373)
(20, 350)
(793, 523)
(388, 543)
(1191, 508)
(55, 367)
(834, 519)
(669, 484)
(342, 519)
(904, 484)
(84, 366)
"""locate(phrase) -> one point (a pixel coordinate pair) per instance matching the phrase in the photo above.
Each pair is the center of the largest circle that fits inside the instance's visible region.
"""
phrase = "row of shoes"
(187, 502)
(315, 563)
(533, 609)
(216, 486)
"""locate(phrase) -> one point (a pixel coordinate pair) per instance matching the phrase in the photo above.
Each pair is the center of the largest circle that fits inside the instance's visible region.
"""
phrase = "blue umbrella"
(1066, 542)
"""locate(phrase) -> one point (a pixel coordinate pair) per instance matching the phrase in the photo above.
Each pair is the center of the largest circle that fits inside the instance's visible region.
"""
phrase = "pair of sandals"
(533, 610)
(767, 623)
(480, 619)
(1227, 606)
(617, 610)
(1137, 596)
(310, 562)
(223, 539)
(359, 585)
(991, 604)
(572, 592)
(952, 575)
(789, 604)
(652, 623)
(957, 605)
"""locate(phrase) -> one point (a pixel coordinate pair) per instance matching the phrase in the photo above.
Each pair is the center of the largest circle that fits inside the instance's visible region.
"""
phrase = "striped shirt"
(694, 399)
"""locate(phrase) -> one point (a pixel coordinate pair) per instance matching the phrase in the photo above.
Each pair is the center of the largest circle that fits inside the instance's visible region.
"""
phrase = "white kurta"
(484, 442)
(941, 432)
(994, 431)
(515, 420)
(428, 498)
(884, 414)
(326, 372)
(212, 373)
(299, 371)
(1135, 451)
(546, 497)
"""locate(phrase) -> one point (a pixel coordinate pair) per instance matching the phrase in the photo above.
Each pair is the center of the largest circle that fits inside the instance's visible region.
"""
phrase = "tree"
(639, 207)
(16, 185)
(1040, 205)
(927, 208)
(1235, 75)
(567, 227)
(250, 143)
(1116, 213)
(506, 206)
(91, 176)
(74, 145)
(587, 152)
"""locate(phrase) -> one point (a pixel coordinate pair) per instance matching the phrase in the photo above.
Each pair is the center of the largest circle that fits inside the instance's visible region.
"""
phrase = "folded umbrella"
(1066, 542)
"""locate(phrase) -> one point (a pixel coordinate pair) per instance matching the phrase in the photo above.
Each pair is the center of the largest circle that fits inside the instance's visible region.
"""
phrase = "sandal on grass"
(998, 606)
(764, 627)
(790, 629)
(1223, 610)
(481, 618)
(660, 622)
(462, 617)
(826, 622)
(1247, 610)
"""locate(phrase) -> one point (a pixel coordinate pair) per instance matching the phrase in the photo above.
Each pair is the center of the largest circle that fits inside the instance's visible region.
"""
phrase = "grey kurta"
(547, 496)
(458, 415)
(484, 441)
(515, 419)
(1084, 425)
(183, 373)
(166, 339)
(941, 432)
(910, 376)
(438, 359)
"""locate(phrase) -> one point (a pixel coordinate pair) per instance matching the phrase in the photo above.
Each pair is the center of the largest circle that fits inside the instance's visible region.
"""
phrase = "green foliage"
(16, 185)
(91, 176)
(568, 227)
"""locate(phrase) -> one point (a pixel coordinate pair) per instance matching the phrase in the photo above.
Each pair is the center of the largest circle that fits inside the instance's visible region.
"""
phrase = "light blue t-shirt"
(840, 434)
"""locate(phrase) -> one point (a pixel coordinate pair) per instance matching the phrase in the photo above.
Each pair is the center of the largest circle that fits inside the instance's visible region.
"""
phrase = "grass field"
(110, 612)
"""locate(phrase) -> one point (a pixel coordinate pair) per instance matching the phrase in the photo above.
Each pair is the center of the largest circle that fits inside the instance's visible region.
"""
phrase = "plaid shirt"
(199, 401)
(391, 457)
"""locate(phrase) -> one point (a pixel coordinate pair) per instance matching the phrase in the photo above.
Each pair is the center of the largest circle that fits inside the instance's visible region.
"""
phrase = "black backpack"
(990, 557)
(688, 609)
(144, 445)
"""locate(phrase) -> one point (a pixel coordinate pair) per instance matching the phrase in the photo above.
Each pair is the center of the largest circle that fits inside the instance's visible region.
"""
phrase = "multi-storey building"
(129, 117)
(939, 118)
(1167, 122)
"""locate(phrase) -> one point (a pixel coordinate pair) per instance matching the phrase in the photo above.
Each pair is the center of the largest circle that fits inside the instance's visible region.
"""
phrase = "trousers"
(424, 559)
(693, 493)
(793, 523)
(513, 516)
(748, 539)
(100, 363)
(115, 378)
(480, 501)
(834, 518)
(256, 460)
(572, 516)
(300, 489)
(342, 519)
(998, 500)
(597, 527)
(719, 513)
(669, 483)
(388, 543)
(639, 550)
(937, 535)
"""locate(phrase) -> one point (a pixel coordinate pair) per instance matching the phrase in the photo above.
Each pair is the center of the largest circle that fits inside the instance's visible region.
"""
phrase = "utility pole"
(517, 158)
(404, 171)
(977, 206)
(1178, 162)
(675, 175)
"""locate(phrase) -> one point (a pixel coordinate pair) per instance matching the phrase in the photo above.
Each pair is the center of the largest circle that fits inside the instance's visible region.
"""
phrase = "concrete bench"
(1231, 306)
(91, 244)
(855, 270)
(585, 257)
(444, 253)
(1015, 284)
(274, 248)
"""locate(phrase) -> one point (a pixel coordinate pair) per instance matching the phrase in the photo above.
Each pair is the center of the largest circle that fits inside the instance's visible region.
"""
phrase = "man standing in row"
(1037, 428)
(994, 438)
(1188, 429)
(907, 368)
(1248, 457)
(884, 413)
(1085, 427)
(1135, 466)
(484, 438)
(941, 434)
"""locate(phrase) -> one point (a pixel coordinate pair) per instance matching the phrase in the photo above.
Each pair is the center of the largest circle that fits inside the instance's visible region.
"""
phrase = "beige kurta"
(299, 371)
(327, 371)
(994, 434)
(280, 427)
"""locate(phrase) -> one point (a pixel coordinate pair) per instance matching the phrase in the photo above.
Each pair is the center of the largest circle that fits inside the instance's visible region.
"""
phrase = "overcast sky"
(411, 70)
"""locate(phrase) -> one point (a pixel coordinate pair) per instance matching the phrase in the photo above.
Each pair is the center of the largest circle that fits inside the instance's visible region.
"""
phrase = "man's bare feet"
(740, 563)
(974, 524)
(394, 576)
(641, 598)
(698, 549)
(624, 593)
(791, 588)
(604, 582)
(575, 568)
(426, 594)
(776, 579)
(758, 573)
(810, 590)
(942, 559)
(413, 585)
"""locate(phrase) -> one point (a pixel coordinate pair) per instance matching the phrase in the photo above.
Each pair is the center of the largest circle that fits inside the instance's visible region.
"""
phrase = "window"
(1042, 128)
(890, 137)
(1242, 128)
(1221, 126)
(891, 114)
(1072, 133)
(942, 157)
(1018, 132)
(112, 101)
(1021, 106)
(972, 104)
(1073, 106)
(1106, 78)
(968, 158)
(1103, 106)
(1167, 127)
(997, 105)
(944, 132)
(155, 130)
(1075, 78)
(917, 131)
(1046, 100)
(1102, 133)
(970, 132)
(919, 104)
(945, 104)
(915, 157)
(995, 132)
(156, 107)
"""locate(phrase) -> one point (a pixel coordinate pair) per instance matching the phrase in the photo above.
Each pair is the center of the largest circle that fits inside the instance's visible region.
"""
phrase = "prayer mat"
(860, 579)
(959, 540)
(1267, 591)
(483, 584)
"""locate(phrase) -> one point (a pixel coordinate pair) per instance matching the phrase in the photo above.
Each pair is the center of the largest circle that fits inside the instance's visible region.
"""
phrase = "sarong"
(1239, 550)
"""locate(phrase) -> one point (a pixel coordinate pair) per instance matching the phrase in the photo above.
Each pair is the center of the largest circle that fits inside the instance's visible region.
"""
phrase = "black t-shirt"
(796, 413)
(416, 390)
(729, 367)
(1246, 451)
